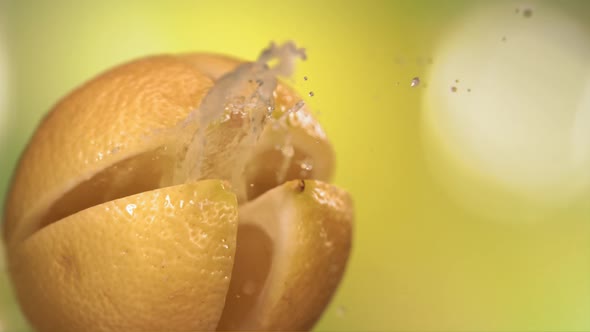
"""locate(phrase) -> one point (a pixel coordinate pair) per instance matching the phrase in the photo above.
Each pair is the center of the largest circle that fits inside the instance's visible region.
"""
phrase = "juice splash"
(217, 139)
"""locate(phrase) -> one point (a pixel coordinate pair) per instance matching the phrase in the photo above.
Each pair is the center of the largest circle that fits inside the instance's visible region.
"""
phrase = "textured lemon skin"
(101, 123)
(156, 261)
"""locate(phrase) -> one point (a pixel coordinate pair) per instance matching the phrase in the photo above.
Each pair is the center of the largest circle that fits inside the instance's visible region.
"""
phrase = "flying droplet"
(504, 38)
(311, 94)
(415, 82)
(457, 81)
(453, 89)
(468, 90)
(305, 78)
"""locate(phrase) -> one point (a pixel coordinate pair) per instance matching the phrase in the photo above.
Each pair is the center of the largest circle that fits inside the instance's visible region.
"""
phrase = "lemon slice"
(293, 244)
(156, 261)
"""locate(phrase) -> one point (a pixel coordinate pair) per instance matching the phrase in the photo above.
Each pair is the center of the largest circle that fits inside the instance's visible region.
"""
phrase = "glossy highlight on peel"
(192, 194)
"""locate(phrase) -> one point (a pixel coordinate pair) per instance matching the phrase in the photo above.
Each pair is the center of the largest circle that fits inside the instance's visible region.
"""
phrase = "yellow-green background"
(422, 261)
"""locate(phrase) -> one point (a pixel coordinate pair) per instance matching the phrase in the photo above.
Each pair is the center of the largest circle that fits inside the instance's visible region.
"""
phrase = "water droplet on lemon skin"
(130, 208)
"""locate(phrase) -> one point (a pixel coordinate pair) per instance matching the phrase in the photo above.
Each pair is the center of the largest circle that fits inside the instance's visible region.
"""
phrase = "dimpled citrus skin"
(156, 261)
(111, 113)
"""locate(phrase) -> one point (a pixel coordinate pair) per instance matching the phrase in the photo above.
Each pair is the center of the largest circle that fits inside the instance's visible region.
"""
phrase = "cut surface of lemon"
(289, 279)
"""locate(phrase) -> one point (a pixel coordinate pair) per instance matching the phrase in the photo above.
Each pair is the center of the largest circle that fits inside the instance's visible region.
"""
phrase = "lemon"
(139, 204)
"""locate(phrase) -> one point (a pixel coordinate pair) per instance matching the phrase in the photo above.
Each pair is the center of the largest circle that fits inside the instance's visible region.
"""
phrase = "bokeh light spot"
(523, 135)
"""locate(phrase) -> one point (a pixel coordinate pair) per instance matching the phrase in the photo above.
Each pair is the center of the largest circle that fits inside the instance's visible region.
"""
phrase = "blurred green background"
(472, 189)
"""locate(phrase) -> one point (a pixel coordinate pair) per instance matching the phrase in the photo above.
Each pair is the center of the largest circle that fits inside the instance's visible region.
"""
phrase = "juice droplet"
(269, 110)
(130, 208)
(307, 164)
(305, 78)
(453, 89)
(299, 105)
(311, 94)
(415, 82)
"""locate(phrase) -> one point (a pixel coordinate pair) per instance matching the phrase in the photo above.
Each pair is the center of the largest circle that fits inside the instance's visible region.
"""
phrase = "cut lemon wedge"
(293, 245)
(156, 261)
